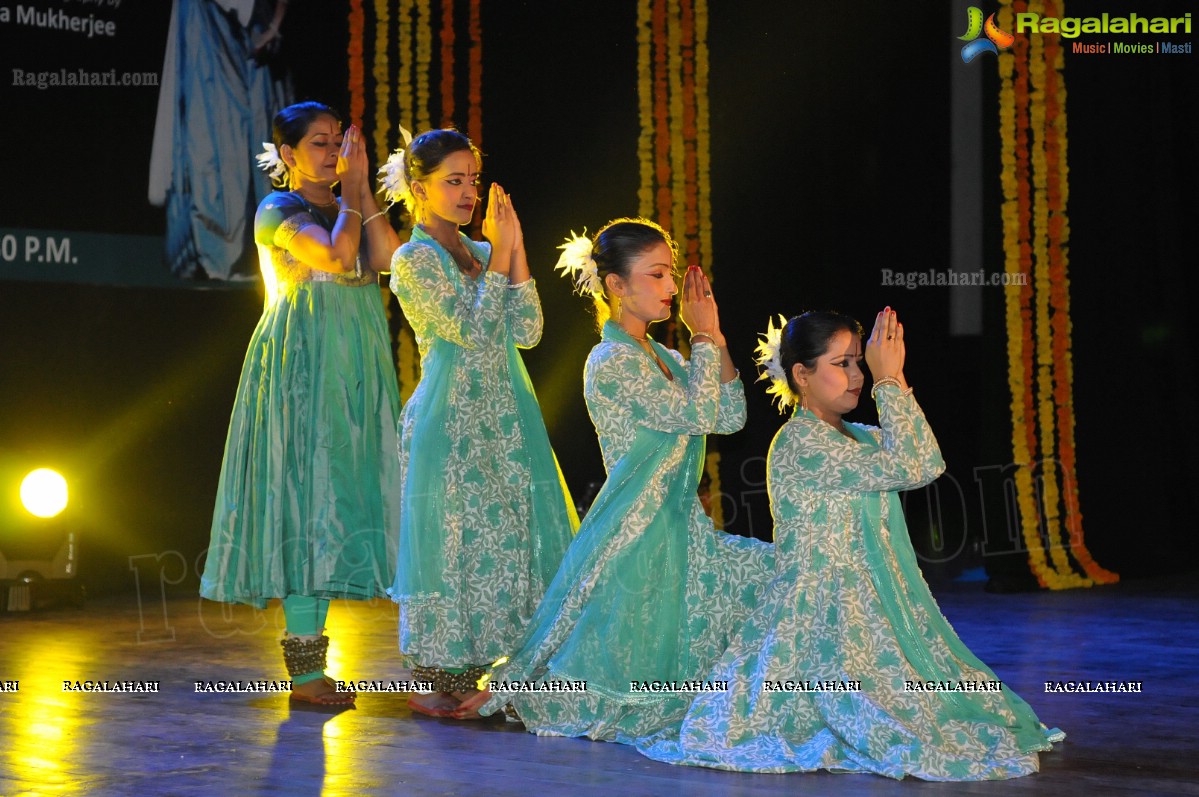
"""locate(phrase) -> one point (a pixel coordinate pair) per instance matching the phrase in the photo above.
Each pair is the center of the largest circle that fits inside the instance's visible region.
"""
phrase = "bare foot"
(433, 704)
(322, 692)
(470, 705)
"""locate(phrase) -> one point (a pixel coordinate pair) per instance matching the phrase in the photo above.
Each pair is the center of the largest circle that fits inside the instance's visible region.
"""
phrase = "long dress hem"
(307, 498)
(850, 606)
(649, 590)
(485, 514)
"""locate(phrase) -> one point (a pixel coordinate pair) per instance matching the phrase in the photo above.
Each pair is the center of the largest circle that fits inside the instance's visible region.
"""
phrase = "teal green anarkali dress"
(886, 686)
(308, 499)
(485, 514)
(649, 592)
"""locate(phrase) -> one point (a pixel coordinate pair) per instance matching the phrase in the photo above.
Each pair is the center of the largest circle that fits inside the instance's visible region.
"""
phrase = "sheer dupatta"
(424, 553)
(616, 611)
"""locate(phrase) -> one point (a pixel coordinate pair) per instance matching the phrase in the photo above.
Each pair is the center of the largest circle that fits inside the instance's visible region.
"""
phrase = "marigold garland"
(645, 109)
(690, 135)
(1042, 328)
(447, 63)
(703, 131)
(382, 87)
(1020, 329)
(661, 95)
(403, 79)
(678, 174)
(1040, 372)
(1009, 102)
(424, 56)
(390, 92)
(673, 144)
(474, 125)
(1058, 191)
(407, 359)
(357, 28)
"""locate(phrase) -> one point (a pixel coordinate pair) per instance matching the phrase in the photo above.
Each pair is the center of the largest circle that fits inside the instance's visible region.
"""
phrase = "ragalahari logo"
(996, 39)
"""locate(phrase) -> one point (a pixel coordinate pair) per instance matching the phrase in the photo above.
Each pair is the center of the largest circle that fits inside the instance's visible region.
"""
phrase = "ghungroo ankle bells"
(304, 656)
(449, 682)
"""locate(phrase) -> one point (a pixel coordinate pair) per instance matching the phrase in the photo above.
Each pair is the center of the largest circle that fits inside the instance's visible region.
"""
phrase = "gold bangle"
(369, 219)
(886, 380)
(351, 210)
(711, 339)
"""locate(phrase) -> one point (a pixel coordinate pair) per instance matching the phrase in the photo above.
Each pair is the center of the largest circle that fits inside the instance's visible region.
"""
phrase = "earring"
(803, 401)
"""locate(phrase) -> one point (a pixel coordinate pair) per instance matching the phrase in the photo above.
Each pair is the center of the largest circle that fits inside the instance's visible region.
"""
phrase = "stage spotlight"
(44, 493)
(39, 559)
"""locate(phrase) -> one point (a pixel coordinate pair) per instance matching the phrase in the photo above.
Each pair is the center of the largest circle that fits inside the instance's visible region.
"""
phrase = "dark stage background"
(830, 160)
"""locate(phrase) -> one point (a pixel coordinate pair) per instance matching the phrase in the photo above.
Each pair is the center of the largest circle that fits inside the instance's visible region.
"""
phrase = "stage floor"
(182, 742)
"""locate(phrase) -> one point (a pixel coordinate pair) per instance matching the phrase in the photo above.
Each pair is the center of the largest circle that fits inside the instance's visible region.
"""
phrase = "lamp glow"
(44, 493)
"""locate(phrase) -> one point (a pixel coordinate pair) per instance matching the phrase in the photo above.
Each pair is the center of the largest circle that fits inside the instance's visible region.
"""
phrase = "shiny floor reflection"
(182, 742)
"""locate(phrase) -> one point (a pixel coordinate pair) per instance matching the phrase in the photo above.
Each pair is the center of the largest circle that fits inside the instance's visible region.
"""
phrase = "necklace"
(649, 349)
(634, 337)
(330, 203)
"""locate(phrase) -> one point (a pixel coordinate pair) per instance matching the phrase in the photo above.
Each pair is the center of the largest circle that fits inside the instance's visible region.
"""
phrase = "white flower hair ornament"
(577, 263)
(393, 177)
(769, 360)
(270, 162)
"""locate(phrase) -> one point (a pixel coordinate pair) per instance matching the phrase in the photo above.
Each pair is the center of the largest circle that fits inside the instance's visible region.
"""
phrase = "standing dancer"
(649, 592)
(486, 516)
(848, 665)
(307, 506)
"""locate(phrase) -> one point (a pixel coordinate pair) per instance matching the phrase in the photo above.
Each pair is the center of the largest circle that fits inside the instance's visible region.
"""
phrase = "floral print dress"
(485, 515)
(649, 592)
(848, 664)
(307, 502)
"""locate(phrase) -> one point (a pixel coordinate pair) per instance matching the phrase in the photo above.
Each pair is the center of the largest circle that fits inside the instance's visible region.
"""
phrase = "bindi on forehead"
(327, 127)
(843, 343)
(461, 163)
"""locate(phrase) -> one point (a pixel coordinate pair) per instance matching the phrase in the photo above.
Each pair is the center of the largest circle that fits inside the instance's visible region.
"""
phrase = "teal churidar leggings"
(305, 617)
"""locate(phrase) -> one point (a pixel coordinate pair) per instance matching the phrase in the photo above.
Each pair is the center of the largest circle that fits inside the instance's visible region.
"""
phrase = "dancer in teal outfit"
(485, 517)
(307, 507)
(649, 592)
(848, 665)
